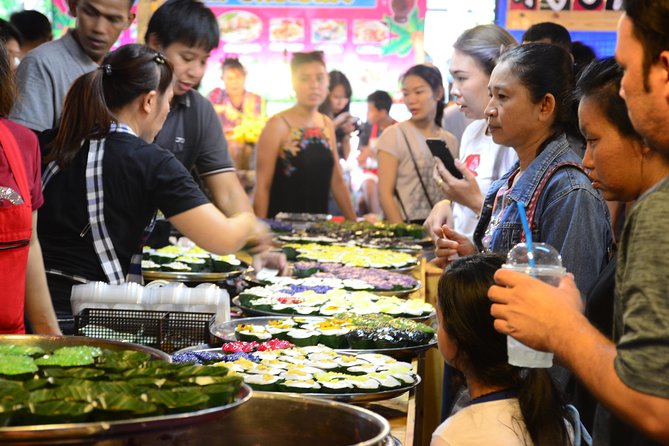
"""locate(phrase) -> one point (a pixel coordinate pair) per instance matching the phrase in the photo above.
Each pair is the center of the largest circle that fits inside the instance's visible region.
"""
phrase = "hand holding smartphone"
(440, 150)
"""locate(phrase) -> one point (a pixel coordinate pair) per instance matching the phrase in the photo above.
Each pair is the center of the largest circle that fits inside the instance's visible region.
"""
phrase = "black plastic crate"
(167, 331)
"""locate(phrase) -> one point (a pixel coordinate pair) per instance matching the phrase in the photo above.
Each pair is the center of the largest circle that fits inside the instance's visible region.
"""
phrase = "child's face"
(373, 113)
(447, 347)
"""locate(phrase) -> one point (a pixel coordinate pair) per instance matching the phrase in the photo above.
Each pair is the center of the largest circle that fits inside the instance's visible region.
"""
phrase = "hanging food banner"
(372, 41)
(584, 15)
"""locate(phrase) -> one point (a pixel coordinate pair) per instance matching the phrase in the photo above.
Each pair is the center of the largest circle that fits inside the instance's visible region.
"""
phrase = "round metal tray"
(366, 397)
(194, 277)
(254, 312)
(87, 433)
(250, 277)
(226, 332)
(54, 342)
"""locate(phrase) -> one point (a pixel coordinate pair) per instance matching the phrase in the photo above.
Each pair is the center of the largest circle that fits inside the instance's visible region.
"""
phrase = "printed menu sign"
(372, 41)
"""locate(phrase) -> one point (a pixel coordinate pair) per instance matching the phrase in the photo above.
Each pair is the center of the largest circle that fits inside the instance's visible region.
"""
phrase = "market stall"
(345, 336)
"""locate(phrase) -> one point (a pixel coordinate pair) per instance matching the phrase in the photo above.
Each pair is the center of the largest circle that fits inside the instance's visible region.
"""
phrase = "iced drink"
(547, 268)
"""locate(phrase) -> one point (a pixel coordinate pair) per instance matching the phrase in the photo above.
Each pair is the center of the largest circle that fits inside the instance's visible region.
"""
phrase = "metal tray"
(404, 269)
(254, 312)
(250, 277)
(54, 342)
(194, 277)
(366, 397)
(226, 332)
(87, 433)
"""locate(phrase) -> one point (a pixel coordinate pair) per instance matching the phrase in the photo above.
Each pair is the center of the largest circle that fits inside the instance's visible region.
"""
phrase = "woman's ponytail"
(88, 112)
(542, 407)
(85, 115)
(440, 112)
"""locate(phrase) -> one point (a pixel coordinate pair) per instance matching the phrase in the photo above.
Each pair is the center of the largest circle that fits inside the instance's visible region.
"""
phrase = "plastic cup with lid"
(544, 263)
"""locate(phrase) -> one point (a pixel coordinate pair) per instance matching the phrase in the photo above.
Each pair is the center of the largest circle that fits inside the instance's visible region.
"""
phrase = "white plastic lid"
(544, 255)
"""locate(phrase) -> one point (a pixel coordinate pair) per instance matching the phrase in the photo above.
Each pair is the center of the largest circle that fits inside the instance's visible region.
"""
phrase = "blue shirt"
(570, 214)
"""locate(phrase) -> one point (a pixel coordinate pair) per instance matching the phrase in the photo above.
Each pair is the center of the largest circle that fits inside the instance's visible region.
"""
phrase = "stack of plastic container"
(157, 296)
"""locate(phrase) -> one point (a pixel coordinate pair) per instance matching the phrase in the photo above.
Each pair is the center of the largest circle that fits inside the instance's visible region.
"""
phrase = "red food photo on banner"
(589, 5)
(523, 5)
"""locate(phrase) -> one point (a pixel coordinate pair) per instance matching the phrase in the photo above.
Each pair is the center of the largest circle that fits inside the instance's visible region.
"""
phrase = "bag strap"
(415, 165)
(532, 207)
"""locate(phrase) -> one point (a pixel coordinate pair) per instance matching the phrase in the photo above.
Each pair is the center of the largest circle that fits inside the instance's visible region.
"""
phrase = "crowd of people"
(104, 152)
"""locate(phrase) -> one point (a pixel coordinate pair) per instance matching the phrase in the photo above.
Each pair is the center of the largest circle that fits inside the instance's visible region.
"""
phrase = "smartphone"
(440, 150)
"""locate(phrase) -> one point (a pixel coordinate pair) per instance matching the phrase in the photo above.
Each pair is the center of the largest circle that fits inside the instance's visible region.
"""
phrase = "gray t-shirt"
(43, 79)
(193, 133)
(641, 306)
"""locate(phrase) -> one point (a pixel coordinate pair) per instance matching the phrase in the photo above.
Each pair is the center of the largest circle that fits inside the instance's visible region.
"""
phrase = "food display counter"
(346, 344)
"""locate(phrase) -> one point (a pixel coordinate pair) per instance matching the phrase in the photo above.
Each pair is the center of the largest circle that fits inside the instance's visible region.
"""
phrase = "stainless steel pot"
(268, 419)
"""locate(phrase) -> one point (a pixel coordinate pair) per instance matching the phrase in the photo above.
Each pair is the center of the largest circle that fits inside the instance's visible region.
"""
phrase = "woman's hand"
(341, 119)
(272, 260)
(451, 244)
(440, 215)
(465, 191)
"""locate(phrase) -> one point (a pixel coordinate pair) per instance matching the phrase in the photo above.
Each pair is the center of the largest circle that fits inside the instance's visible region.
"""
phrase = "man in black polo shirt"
(186, 31)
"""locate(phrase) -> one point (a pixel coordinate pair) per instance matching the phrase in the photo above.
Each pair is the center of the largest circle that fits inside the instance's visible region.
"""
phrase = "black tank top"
(302, 173)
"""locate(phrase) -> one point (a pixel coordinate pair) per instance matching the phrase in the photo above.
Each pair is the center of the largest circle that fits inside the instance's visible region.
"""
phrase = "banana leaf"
(13, 365)
(51, 412)
(22, 350)
(76, 372)
(129, 404)
(192, 399)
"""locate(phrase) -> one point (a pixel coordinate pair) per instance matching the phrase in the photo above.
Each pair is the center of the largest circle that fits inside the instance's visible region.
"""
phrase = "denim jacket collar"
(529, 181)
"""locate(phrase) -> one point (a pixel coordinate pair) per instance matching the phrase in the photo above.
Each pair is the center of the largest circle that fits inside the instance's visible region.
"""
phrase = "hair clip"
(107, 69)
(159, 59)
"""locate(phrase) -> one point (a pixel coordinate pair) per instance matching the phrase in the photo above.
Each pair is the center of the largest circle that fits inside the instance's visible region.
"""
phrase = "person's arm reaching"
(550, 319)
(211, 230)
(231, 199)
(227, 193)
(38, 306)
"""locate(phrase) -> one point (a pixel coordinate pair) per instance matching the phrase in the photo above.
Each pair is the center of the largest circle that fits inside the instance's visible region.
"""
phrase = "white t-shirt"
(488, 161)
(498, 422)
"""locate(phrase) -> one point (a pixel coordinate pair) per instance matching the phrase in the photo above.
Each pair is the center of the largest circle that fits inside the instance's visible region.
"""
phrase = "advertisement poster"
(565, 5)
(575, 15)
(372, 41)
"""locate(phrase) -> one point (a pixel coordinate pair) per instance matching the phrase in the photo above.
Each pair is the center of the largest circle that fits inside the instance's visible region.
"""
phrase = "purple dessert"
(381, 280)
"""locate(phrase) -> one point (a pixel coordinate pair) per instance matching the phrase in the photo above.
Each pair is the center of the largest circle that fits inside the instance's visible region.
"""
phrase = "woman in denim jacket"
(530, 109)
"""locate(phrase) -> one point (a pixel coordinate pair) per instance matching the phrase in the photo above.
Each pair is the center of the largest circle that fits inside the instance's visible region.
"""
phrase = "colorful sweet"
(350, 255)
(321, 370)
(344, 331)
(325, 301)
(180, 259)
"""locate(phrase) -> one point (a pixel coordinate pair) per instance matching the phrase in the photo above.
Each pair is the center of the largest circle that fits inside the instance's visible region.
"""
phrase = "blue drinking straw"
(528, 233)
